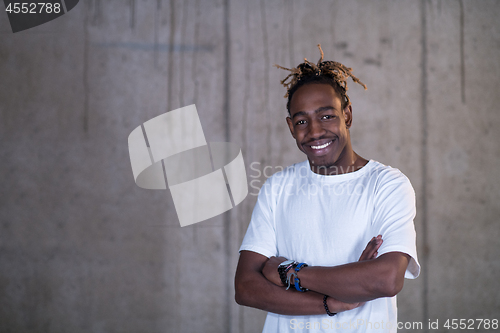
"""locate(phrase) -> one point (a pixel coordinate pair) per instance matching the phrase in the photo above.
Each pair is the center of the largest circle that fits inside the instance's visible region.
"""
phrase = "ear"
(348, 116)
(290, 126)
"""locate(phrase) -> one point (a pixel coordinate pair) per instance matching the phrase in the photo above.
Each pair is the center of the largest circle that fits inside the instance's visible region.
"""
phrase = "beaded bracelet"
(326, 307)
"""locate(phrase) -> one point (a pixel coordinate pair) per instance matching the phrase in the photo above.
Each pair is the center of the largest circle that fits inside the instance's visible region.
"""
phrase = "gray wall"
(83, 249)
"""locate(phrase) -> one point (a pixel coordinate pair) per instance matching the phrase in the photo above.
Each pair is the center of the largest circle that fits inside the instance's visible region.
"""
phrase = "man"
(303, 258)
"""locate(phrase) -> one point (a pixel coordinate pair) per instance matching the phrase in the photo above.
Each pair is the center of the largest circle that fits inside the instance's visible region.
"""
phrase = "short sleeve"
(394, 212)
(261, 233)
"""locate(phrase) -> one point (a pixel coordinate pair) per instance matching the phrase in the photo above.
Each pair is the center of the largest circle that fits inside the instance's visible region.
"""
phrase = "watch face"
(287, 262)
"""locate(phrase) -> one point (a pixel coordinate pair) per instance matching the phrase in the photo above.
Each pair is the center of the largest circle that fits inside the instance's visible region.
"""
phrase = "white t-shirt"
(327, 221)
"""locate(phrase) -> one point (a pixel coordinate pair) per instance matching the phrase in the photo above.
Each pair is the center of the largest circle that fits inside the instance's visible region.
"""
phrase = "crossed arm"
(258, 285)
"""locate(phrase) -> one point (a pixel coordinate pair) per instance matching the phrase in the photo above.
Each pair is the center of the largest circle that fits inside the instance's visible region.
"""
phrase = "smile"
(322, 146)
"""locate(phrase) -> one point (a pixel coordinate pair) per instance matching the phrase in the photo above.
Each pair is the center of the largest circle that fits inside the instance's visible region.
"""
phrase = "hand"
(371, 250)
(270, 270)
(337, 306)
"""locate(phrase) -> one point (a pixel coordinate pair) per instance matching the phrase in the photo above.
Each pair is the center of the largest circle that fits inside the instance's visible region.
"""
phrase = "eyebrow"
(323, 108)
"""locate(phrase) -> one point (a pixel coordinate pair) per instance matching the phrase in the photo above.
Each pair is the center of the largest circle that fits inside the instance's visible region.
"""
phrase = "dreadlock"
(328, 72)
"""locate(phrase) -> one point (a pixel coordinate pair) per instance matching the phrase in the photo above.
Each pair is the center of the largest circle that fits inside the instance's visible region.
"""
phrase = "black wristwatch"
(283, 268)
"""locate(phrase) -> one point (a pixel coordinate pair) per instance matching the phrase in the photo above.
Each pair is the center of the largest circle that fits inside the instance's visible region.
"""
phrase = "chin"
(321, 163)
(323, 160)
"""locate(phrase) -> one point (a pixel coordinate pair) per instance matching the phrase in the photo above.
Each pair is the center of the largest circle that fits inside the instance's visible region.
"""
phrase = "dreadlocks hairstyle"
(328, 72)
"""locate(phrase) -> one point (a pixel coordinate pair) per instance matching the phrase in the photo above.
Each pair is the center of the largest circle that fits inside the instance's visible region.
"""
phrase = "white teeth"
(322, 146)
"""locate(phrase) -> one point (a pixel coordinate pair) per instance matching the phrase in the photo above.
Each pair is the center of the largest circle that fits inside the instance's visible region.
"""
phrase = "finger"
(371, 244)
(350, 306)
(378, 243)
(365, 255)
(338, 306)
(371, 248)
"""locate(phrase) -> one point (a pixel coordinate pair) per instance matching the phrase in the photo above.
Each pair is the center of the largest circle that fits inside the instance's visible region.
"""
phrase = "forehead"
(313, 96)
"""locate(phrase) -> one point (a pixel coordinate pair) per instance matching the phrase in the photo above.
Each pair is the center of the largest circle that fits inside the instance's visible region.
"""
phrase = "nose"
(316, 129)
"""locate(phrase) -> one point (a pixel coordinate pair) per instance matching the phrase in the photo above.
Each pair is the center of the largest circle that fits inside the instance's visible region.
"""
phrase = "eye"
(328, 116)
(300, 122)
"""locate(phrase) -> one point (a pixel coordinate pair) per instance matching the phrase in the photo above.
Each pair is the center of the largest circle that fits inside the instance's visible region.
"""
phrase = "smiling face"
(320, 128)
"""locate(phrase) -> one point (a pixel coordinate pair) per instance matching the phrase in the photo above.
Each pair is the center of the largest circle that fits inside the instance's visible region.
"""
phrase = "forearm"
(253, 289)
(360, 281)
(264, 295)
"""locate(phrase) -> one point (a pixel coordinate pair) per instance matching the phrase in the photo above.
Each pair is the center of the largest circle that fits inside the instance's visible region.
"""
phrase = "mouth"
(321, 146)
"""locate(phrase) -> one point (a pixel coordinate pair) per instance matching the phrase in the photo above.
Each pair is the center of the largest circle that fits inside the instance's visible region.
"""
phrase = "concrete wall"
(83, 249)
